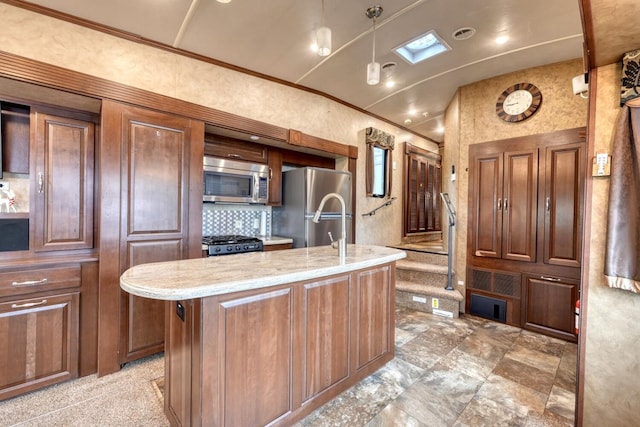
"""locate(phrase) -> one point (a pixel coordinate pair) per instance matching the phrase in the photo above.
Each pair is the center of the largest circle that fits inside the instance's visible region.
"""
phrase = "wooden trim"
(300, 139)
(31, 71)
(137, 39)
(413, 149)
(587, 30)
(586, 252)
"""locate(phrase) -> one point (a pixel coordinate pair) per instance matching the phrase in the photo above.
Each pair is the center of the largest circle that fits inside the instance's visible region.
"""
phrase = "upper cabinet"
(62, 155)
(235, 149)
(504, 194)
(14, 138)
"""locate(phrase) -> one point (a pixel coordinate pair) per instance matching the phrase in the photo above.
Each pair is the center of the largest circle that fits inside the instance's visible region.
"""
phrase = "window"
(379, 148)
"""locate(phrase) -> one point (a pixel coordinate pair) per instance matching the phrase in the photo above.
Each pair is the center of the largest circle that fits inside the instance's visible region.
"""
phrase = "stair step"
(421, 297)
(429, 290)
(403, 264)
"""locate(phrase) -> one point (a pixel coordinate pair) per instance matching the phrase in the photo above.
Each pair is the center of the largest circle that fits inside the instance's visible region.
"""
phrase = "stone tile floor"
(447, 372)
(461, 372)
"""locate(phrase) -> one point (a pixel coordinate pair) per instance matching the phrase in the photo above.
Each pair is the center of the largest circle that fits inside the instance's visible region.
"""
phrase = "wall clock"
(518, 102)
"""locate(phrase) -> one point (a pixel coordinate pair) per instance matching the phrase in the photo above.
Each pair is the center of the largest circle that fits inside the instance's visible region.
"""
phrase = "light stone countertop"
(201, 277)
(275, 240)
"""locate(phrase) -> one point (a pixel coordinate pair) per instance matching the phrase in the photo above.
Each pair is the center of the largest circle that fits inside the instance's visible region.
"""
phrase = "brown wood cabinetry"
(505, 191)
(278, 247)
(275, 177)
(424, 182)
(15, 137)
(271, 356)
(545, 303)
(39, 320)
(526, 212)
(236, 149)
(62, 183)
(151, 211)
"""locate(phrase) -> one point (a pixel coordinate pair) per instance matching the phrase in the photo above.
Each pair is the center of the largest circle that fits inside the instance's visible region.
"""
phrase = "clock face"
(518, 102)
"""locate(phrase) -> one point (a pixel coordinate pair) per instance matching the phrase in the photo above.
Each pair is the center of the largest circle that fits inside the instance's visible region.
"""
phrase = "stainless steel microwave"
(231, 181)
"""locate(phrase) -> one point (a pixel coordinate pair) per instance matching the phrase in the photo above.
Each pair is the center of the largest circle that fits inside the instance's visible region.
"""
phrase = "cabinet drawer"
(38, 280)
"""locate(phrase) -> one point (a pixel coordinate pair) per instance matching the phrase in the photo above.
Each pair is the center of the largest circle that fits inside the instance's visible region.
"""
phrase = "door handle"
(30, 282)
(499, 204)
(29, 304)
(550, 279)
(506, 205)
(40, 182)
(547, 205)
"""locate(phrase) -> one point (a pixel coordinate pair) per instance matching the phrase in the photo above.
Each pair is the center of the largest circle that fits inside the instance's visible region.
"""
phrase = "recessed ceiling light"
(407, 121)
(254, 137)
(224, 1)
(502, 39)
(412, 112)
(440, 129)
(422, 47)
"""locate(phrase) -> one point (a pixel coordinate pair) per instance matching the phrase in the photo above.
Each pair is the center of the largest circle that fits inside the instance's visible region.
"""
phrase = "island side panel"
(273, 355)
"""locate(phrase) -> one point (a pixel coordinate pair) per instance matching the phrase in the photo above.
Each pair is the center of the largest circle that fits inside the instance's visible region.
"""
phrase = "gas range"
(231, 244)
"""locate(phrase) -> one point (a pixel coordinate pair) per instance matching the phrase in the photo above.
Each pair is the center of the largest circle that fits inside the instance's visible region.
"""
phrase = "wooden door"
(154, 216)
(548, 305)
(519, 205)
(564, 200)
(486, 202)
(62, 185)
(423, 186)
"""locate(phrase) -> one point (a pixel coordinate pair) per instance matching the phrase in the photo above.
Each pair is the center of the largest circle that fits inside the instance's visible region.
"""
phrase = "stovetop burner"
(228, 239)
(231, 244)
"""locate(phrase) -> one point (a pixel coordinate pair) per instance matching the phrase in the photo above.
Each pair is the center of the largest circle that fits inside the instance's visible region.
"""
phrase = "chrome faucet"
(342, 242)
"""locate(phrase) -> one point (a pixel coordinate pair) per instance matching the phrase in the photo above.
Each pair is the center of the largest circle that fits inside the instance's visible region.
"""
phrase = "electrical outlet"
(4, 185)
(435, 303)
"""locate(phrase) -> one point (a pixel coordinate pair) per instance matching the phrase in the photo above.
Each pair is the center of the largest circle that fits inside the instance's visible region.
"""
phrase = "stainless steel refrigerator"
(303, 189)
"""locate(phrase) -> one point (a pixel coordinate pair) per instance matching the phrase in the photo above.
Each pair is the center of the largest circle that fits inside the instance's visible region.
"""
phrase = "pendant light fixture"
(323, 37)
(373, 68)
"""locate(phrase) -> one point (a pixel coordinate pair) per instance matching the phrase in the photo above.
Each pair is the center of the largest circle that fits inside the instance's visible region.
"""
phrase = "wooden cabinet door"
(519, 203)
(257, 340)
(548, 305)
(39, 342)
(326, 323)
(486, 202)
(504, 199)
(62, 185)
(154, 215)
(275, 178)
(374, 316)
(564, 200)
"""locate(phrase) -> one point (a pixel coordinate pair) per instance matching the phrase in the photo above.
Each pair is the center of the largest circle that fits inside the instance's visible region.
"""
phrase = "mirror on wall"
(379, 148)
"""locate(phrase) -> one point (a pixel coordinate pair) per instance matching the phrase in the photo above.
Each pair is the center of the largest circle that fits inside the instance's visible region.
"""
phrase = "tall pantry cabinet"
(151, 211)
(526, 203)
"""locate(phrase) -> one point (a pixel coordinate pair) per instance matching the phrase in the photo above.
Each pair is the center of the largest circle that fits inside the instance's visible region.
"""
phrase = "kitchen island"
(264, 338)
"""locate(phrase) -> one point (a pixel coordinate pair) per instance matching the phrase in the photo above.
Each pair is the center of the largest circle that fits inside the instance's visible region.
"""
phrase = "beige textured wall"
(478, 122)
(73, 47)
(611, 386)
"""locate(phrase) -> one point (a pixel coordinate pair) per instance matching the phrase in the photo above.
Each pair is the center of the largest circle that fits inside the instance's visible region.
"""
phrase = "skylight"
(422, 47)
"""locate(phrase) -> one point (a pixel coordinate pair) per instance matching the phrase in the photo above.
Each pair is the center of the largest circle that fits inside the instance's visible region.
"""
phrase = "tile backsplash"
(220, 219)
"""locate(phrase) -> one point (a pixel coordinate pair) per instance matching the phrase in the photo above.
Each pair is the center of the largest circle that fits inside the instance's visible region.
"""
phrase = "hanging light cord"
(373, 56)
(323, 13)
